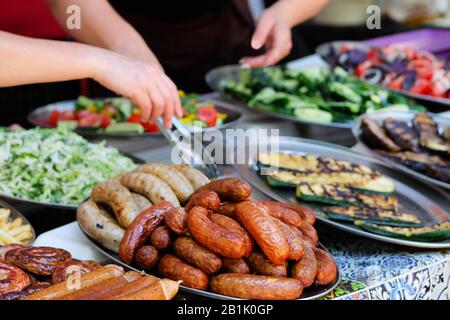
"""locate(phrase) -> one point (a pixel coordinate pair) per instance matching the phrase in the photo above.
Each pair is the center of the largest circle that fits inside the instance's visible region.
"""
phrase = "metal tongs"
(187, 152)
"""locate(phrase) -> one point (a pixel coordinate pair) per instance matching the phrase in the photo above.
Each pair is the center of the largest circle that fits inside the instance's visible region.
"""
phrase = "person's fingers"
(178, 110)
(142, 100)
(158, 102)
(254, 62)
(280, 47)
(169, 105)
(262, 31)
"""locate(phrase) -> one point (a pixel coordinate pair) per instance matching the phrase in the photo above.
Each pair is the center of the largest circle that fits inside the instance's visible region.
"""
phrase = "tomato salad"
(119, 115)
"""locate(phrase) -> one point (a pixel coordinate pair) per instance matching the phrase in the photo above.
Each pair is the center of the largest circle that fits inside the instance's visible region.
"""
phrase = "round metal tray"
(218, 76)
(313, 292)
(324, 50)
(16, 214)
(39, 117)
(430, 204)
(379, 117)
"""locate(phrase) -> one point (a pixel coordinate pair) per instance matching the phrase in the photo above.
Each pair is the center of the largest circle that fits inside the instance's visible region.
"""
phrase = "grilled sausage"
(305, 269)
(195, 177)
(305, 213)
(205, 198)
(235, 266)
(293, 238)
(227, 209)
(282, 213)
(187, 249)
(141, 201)
(163, 289)
(214, 237)
(146, 257)
(234, 226)
(160, 238)
(150, 186)
(119, 199)
(141, 229)
(256, 287)
(326, 267)
(176, 220)
(259, 264)
(310, 233)
(264, 231)
(229, 189)
(100, 225)
(174, 179)
(175, 269)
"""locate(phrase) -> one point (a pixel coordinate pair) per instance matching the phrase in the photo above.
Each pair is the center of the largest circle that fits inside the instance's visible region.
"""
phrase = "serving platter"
(428, 203)
(17, 214)
(39, 117)
(379, 117)
(310, 293)
(60, 206)
(325, 51)
(218, 76)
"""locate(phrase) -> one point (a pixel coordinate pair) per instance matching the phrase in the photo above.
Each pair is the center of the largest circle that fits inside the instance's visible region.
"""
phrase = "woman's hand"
(144, 83)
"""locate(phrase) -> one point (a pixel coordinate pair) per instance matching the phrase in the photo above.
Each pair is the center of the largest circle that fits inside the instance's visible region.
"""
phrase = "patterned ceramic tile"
(389, 290)
(416, 285)
(360, 295)
(440, 281)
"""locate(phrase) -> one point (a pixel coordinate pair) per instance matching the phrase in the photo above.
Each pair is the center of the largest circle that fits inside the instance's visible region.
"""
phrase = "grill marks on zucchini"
(431, 233)
(343, 196)
(371, 215)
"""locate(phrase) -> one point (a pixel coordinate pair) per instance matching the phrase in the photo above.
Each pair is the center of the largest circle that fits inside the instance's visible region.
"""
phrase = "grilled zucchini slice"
(376, 184)
(370, 215)
(432, 233)
(342, 196)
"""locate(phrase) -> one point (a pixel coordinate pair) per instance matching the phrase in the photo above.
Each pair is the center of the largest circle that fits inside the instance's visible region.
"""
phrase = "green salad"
(313, 94)
(55, 165)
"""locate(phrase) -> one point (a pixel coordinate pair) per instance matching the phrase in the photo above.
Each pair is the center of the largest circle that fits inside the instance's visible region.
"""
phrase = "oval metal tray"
(324, 50)
(218, 76)
(39, 117)
(313, 292)
(17, 214)
(430, 204)
(379, 117)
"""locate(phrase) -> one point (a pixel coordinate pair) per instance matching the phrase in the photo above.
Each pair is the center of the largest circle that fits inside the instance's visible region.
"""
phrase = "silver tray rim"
(17, 214)
(265, 189)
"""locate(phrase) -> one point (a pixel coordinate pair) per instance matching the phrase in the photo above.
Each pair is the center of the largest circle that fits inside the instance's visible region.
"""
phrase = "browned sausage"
(259, 264)
(130, 288)
(234, 226)
(160, 238)
(305, 269)
(265, 232)
(227, 209)
(214, 237)
(293, 237)
(175, 269)
(229, 189)
(176, 220)
(146, 257)
(282, 213)
(326, 267)
(305, 213)
(249, 286)
(187, 249)
(140, 230)
(204, 198)
(235, 265)
(310, 233)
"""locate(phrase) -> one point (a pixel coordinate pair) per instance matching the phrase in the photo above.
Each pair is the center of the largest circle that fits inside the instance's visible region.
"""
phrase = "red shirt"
(31, 18)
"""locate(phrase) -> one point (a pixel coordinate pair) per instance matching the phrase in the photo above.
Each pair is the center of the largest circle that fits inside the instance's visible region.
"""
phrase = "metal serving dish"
(39, 117)
(325, 49)
(16, 214)
(218, 76)
(310, 293)
(430, 204)
(72, 207)
(379, 117)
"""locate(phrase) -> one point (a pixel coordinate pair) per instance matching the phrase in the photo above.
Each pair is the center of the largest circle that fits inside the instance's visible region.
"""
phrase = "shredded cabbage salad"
(55, 165)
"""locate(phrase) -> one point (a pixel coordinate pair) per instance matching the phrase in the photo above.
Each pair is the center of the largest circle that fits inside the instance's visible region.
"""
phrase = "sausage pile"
(46, 273)
(224, 241)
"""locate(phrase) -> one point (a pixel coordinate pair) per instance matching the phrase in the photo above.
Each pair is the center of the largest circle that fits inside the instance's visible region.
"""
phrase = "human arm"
(273, 29)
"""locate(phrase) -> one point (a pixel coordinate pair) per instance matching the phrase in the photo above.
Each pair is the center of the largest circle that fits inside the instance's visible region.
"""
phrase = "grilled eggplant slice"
(394, 156)
(432, 233)
(446, 134)
(377, 183)
(440, 172)
(342, 196)
(402, 134)
(428, 131)
(370, 215)
(374, 135)
(311, 164)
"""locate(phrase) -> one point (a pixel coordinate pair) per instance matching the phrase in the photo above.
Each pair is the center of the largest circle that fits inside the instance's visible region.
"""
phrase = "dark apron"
(189, 48)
